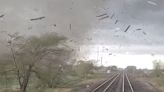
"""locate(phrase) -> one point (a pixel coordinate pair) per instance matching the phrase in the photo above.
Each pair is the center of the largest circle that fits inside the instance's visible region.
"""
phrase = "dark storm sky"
(147, 15)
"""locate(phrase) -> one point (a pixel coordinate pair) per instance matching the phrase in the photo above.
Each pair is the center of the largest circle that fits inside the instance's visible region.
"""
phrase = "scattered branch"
(127, 28)
(39, 18)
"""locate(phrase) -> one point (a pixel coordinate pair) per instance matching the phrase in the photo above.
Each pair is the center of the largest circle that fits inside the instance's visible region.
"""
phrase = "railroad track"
(117, 83)
(127, 84)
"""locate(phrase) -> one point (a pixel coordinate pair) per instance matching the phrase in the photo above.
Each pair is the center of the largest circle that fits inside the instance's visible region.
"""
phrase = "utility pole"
(97, 54)
(101, 61)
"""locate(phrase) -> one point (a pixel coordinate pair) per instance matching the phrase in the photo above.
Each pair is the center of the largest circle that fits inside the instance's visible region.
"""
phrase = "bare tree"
(157, 68)
(27, 53)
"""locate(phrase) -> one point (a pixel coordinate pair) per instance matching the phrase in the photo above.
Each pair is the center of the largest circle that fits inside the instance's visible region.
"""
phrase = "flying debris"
(106, 49)
(104, 17)
(116, 22)
(127, 28)
(54, 25)
(152, 54)
(39, 18)
(112, 16)
(139, 29)
(152, 3)
(110, 54)
(2, 15)
(70, 27)
(144, 33)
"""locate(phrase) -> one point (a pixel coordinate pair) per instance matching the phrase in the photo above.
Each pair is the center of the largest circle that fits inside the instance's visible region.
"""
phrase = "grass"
(158, 82)
(69, 84)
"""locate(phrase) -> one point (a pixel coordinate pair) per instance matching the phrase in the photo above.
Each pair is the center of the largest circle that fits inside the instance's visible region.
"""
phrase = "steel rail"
(123, 82)
(101, 85)
(105, 90)
(132, 90)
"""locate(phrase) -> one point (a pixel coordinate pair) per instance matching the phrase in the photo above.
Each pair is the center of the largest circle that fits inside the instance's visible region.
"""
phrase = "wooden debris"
(39, 18)
(127, 28)
(104, 17)
(116, 22)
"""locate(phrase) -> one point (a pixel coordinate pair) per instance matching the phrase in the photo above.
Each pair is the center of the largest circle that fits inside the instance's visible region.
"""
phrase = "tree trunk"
(26, 78)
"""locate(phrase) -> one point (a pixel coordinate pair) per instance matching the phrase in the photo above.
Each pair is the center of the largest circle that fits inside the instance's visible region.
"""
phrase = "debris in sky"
(152, 54)
(112, 16)
(39, 18)
(54, 25)
(152, 3)
(110, 53)
(9, 41)
(2, 15)
(104, 17)
(127, 28)
(116, 21)
(144, 33)
(70, 27)
(106, 49)
(139, 29)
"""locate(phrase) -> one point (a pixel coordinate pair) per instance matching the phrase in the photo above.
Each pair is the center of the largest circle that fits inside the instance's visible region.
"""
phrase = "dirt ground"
(142, 85)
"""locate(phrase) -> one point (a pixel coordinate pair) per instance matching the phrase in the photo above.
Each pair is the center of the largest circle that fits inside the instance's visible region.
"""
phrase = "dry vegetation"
(42, 64)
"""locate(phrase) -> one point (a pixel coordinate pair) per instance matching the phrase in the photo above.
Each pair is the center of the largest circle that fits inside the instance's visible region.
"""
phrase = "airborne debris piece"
(152, 3)
(39, 18)
(112, 16)
(104, 17)
(116, 22)
(70, 27)
(106, 49)
(2, 15)
(144, 33)
(110, 54)
(152, 54)
(139, 29)
(101, 15)
(54, 25)
(127, 28)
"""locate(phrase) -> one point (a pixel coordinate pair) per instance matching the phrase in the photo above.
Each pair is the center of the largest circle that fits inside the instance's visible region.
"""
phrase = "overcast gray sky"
(86, 28)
